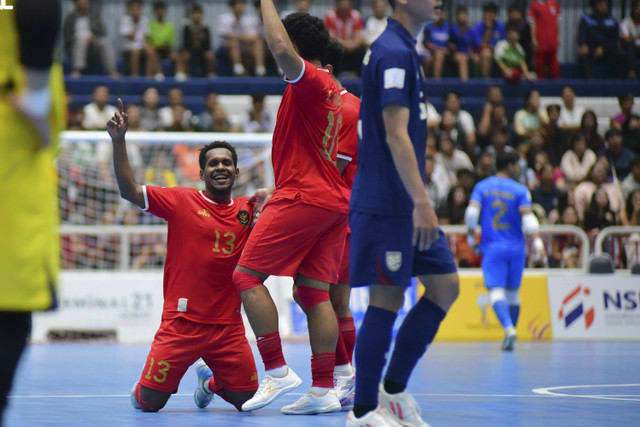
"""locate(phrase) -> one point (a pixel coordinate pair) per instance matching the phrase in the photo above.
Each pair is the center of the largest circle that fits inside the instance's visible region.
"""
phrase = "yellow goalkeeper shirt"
(29, 243)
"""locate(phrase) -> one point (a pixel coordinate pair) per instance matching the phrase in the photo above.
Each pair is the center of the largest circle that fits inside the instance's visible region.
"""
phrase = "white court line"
(548, 391)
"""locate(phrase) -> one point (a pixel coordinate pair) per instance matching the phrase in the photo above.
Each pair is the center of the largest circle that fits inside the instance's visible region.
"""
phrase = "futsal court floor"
(542, 384)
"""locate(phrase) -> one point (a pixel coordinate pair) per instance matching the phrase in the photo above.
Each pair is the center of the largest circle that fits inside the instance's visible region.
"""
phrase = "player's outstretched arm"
(129, 188)
(425, 222)
(279, 42)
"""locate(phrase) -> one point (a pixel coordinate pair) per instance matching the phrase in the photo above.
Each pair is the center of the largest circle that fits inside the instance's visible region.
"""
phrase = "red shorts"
(180, 342)
(292, 238)
(343, 275)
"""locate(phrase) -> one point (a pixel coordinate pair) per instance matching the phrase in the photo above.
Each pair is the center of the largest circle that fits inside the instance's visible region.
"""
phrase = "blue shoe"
(134, 401)
(201, 396)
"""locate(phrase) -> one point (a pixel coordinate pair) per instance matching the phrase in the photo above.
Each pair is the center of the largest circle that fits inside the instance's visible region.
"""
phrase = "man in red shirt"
(201, 315)
(346, 24)
(343, 373)
(545, 34)
(302, 229)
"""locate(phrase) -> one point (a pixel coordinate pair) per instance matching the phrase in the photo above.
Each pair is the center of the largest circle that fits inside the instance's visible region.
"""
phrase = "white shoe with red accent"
(377, 418)
(402, 407)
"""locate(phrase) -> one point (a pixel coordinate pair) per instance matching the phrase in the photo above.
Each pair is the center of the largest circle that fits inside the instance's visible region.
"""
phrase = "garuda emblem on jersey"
(243, 217)
(393, 261)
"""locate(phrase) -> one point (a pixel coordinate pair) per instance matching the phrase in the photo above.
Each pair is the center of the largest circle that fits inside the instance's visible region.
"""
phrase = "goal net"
(102, 231)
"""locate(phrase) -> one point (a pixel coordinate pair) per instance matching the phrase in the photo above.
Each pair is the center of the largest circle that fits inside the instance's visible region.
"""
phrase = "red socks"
(322, 369)
(348, 336)
(270, 349)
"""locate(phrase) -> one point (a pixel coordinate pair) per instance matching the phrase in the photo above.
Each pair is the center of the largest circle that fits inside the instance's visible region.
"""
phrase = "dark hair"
(505, 159)
(196, 8)
(612, 132)
(625, 96)
(490, 7)
(634, 162)
(202, 158)
(463, 8)
(159, 5)
(132, 2)
(308, 33)
(451, 92)
(392, 3)
(514, 6)
(257, 96)
(630, 205)
(553, 107)
(333, 55)
(577, 137)
(528, 94)
(512, 26)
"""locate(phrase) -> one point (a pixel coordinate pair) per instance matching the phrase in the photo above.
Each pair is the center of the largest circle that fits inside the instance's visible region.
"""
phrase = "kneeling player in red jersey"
(201, 315)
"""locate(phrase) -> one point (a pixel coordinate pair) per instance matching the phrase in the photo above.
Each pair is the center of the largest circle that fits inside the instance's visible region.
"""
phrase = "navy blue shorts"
(382, 252)
(503, 267)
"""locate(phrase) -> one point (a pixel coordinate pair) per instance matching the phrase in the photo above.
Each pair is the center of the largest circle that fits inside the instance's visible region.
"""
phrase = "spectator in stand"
(630, 35)
(547, 193)
(599, 40)
(258, 119)
(620, 157)
(98, 112)
(633, 208)
(466, 179)
(149, 112)
(516, 19)
(564, 248)
(345, 24)
(179, 121)
(625, 101)
(204, 120)
(544, 18)
(599, 214)
(499, 143)
(375, 24)
(175, 96)
(85, 37)
(485, 164)
(578, 161)
(453, 130)
(485, 35)
(541, 159)
(134, 28)
(528, 120)
(557, 141)
(589, 129)
(161, 39)
(301, 6)
(133, 113)
(437, 182)
(597, 178)
(631, 134)
(436, 41)
(494, 115)
(240, 34)
(511, 57)
(632, 182)
(196, 52)
(450, 157)
(463, 118)
(452, 212)
(220, 122)
(433, 117)
(570, 114)
(460, 42)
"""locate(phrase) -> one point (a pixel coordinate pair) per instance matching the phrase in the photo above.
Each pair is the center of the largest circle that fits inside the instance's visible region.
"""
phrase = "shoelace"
(264, 384)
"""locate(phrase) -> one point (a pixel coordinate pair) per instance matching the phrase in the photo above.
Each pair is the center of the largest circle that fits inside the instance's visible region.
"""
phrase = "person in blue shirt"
(502, 207)
(460, 41)
(484, 36)
(436, 40)
(394, 229)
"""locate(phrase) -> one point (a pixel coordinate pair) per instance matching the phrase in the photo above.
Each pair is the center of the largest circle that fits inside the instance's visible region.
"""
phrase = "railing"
(619, 246)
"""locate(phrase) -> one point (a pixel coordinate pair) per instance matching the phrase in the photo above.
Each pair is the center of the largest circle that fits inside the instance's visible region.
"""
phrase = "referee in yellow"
(32, 114)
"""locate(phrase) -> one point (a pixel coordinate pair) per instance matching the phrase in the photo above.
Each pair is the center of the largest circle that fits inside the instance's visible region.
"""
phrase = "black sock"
(361, 410)
(393, 388)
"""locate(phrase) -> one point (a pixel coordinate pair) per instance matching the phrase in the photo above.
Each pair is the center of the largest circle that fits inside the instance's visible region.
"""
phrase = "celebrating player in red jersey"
(344, 378)
(302, 229)
(201, 315)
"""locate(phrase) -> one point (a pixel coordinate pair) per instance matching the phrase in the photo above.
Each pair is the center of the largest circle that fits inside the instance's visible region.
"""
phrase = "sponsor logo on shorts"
(254, 377)
(393, 260)
(243, 217)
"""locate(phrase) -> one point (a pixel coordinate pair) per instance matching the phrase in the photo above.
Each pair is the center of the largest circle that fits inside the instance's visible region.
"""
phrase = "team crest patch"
(243, 217)
(394, 261)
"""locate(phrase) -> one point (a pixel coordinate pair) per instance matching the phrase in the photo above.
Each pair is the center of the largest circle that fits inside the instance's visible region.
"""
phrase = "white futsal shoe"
(201, 396)
(271, 388)
(402, 407)
(377, 418)
(310, 404)
(509, 339)
(345, 387)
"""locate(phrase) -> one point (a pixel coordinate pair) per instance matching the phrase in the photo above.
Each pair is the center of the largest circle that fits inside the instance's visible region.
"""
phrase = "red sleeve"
(161, 200)
(311, 84)
(348, 139)
(330, 22)
(358, 25)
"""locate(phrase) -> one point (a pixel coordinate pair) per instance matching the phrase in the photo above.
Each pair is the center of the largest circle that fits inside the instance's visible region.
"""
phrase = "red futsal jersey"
(305, 141)
(545, 15)
(203, 246)
(348, 145)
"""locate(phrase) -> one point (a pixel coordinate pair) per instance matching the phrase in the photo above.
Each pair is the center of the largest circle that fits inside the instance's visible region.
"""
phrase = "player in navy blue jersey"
(503, 207)
(395, 232)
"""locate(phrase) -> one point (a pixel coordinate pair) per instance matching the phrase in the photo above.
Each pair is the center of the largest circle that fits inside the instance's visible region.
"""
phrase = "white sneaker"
(509, 339)
(310, 404)
(180, 76)
(377, 418)
(260, 71)
(201, 396)
(238, 70)
(271, 388)
(159, 77)
(345, 387)
(402, 407)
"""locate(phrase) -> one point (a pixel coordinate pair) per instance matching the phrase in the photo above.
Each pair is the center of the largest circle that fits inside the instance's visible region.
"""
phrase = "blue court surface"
(456, 384)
